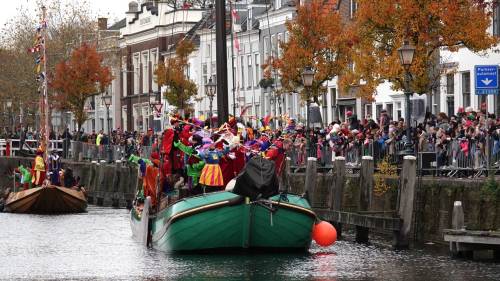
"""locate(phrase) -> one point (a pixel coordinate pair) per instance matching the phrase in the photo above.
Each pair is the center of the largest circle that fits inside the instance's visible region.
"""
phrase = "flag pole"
(45, 108)
(232, 58)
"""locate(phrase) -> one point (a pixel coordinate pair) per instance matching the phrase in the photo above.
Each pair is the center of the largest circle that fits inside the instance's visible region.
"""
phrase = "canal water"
(98, 246)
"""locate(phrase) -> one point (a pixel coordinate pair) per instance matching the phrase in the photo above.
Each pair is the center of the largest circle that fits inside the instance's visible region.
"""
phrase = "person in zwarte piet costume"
(150, 176)
(54, 168)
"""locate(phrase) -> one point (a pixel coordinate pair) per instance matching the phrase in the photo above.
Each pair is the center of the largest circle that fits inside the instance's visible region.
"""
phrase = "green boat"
(253, 215)
(224, 220)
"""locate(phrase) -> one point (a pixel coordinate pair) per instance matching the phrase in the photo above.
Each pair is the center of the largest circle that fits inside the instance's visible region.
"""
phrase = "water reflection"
(98, 246)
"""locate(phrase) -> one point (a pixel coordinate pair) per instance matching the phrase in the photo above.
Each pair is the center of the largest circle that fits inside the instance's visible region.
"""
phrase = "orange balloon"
(324, 234)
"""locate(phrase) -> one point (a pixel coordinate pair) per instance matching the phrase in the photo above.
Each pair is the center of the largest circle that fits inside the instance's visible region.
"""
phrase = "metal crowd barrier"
(463, 158)
(458, 158)
(29, 146)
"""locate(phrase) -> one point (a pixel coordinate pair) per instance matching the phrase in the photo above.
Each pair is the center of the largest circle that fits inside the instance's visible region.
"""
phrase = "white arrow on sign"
(487, 81)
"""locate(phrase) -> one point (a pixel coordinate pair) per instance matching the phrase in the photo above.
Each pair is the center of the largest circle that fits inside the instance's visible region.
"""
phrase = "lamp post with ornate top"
(406, 53)
(210, 91)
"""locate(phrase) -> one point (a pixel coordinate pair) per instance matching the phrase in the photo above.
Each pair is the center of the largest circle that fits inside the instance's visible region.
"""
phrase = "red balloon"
(324, 234)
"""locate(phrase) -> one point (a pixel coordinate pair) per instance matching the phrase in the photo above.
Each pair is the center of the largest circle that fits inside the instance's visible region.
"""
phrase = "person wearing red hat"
(150, 176)
(277, 154)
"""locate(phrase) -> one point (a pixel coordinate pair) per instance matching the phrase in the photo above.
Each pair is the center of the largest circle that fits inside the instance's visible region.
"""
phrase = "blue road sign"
(486, 79)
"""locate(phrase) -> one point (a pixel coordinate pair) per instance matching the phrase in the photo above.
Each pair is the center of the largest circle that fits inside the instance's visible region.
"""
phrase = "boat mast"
(45, 99)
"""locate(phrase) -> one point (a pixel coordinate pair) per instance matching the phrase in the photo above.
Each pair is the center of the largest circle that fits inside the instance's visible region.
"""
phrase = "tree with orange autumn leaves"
(380, 28)
(172, 74)
(362, 51)
(78, 78)
(316, 40)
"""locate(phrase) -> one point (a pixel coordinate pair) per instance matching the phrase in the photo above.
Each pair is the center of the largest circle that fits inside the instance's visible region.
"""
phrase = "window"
(274, 45)
(242, 68)
(136, 74)
(266, 47)
(145, 73)
(389, 107)
(204, 73)
(368, 111)
(466, 88)
(333, 96)
(278, 44)
(378, 109)
(483, 103)
(292, 105)
(350, 66)
(450, 105)
(399, 114)
(277, 4)
(257, 70)
(250, 71)
(496, 18)
(154, 64)
(287, 36)
(257, 111)
(124, 76)
(213, 71)
(450, 84)
(353, 7)
(324, 108)
(208, 51)
(124, 118)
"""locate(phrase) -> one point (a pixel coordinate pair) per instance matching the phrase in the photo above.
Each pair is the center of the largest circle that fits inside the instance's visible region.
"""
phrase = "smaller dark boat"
(48, 199)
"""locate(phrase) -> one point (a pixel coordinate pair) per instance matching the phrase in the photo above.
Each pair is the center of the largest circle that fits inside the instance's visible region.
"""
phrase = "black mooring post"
(221, 56)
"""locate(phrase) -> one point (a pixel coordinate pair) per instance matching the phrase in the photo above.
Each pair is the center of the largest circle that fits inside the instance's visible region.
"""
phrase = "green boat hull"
(224, 220)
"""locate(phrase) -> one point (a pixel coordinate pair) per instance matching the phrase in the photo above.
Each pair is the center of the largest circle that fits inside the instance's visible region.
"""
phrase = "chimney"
(133, 7)
(102, 23)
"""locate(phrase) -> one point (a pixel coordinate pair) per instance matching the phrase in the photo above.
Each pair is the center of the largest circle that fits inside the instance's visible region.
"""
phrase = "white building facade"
(149, 37)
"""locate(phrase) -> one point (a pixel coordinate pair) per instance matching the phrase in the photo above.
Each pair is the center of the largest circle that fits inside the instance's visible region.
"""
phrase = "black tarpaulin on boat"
(257, 180)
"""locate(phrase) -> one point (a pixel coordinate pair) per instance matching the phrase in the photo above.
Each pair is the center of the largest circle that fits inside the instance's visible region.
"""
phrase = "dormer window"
(353, 7)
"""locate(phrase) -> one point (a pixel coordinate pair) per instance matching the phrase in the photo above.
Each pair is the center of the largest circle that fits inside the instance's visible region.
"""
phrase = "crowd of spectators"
(468, 134)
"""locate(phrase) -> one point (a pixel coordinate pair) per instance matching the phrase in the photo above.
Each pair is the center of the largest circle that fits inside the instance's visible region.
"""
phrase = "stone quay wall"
(109, 185)
(114, 185)
(433, 204)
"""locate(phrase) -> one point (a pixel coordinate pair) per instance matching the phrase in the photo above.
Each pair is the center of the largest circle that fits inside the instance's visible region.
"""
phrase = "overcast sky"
(112, 9)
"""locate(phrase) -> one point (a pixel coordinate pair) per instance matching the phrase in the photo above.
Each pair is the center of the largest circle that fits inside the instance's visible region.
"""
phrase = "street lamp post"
(210, 90)
(107, 101)
(272, 103)
(307, 80)
(406, 53)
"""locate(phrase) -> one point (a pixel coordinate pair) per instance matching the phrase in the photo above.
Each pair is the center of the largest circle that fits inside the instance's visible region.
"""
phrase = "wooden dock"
(464, 242)
(396, 221)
